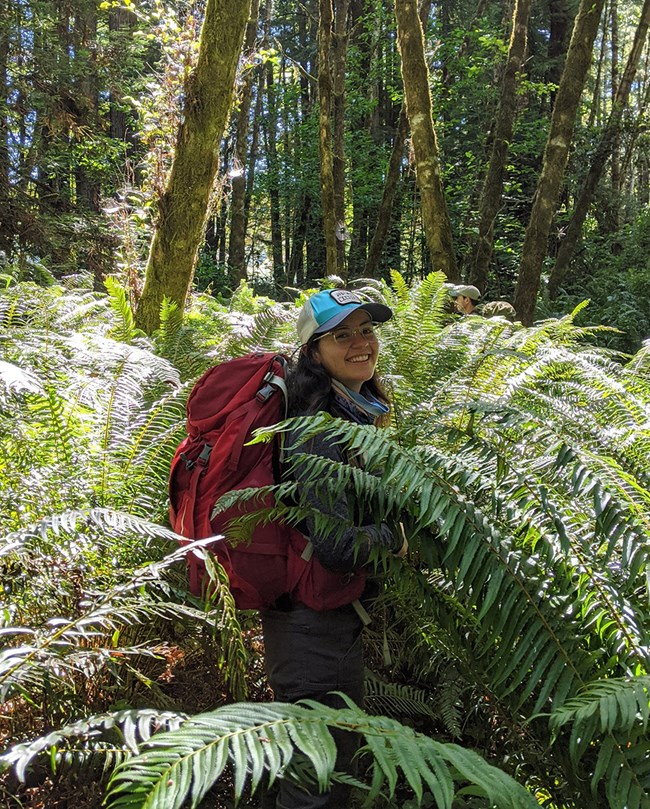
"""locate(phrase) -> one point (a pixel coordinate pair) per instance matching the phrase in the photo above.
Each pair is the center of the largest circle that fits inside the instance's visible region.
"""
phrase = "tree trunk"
(316, 247)
(493, 187)
(616, 163)
(237, 239)
(599, 160)
(640, 128)
(328, 200)
(555, 156)
(385, 212)
(560, 18)
(362, 122)
(643, 181)
(596, 105)
(415, 75)
(307, 230)
(287, 149)
(252, 154)
(296, 268)
(88, 189)
(339, 59)
(183, 206)
(7, 225)
(51, 151)
(271, 131)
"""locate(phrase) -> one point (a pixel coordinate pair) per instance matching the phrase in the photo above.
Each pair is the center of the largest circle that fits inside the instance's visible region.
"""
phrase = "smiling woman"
(349, 352)
(309, 652)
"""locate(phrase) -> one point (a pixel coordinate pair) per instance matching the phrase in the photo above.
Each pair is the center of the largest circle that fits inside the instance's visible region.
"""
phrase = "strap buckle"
(204, 457)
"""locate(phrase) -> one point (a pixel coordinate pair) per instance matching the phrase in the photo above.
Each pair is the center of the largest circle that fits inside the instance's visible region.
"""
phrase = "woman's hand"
(405, 544)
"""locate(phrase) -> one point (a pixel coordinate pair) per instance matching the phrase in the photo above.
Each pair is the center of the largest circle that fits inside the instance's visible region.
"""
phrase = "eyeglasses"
(345, 337)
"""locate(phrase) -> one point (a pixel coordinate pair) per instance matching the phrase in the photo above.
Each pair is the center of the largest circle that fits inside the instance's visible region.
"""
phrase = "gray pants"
(308, 654)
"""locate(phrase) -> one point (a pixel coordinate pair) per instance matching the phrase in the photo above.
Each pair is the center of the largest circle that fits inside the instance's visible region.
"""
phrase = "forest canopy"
(321, 170)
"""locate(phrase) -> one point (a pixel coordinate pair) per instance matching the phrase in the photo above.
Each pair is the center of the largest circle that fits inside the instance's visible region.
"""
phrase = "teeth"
(361, 358)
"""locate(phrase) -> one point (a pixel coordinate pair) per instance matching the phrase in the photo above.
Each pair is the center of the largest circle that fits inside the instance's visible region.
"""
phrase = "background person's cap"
(326, 309)
(468, 291)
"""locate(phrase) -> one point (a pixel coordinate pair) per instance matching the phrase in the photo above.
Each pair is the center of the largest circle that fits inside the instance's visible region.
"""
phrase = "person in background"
(466, 301)
(310, 653)
(466, 298)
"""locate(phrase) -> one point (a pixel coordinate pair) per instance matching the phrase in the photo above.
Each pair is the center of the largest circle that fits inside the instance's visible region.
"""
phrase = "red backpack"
(225, 406)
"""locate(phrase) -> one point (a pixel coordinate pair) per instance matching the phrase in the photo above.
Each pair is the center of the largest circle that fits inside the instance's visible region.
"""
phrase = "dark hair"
(309, 385)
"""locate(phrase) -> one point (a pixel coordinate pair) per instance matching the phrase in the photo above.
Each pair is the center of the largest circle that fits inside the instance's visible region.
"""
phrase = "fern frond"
(620, 704)
(395, 699)
(106, 738)
(124, 329)
(16, 379)
(610, 717)
(526, 642)
(182, 765)
(59, 647)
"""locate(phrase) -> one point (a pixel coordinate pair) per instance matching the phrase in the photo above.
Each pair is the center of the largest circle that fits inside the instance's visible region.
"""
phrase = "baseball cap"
(468, 291)
(326, 309)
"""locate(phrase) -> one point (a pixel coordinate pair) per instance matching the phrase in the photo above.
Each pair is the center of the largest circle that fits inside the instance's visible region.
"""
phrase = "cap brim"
(379, 313)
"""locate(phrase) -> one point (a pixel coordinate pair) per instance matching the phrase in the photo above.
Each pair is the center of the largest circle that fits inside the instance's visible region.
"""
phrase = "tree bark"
(301, 218)
(237, 238)
(560, 19)
(183, 206)
(596, 105)
(88, 188)
(616, 163)
(270, 131)
(8, 225)
(328, 200)
(363, 20)
(555, 156)
(503, 126)
(252, 152)
(640, 128)
(599, 160)
(415, 75)
(339, 60)
(296, 264)
(385, 212)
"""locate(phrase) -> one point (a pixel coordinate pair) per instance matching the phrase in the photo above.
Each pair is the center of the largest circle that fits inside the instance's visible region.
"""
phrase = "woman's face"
(350, 361)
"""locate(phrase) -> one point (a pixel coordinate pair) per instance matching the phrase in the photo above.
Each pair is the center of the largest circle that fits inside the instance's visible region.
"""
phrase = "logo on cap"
(343, 296)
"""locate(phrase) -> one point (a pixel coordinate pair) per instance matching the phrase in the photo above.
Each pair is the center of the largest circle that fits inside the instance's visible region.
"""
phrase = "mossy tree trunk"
(502, 134)
(602, 153)
(328, 199)
(556, 154)
(184, 204)
(415, 75)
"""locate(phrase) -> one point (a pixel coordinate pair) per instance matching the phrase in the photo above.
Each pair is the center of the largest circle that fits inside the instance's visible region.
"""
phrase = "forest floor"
(189, 683)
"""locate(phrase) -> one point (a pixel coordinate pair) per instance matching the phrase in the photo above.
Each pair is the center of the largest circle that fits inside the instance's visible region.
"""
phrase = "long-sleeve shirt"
(352, 548)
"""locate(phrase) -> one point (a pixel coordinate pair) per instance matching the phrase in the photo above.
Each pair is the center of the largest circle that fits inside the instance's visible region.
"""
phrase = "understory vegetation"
(508, 657)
